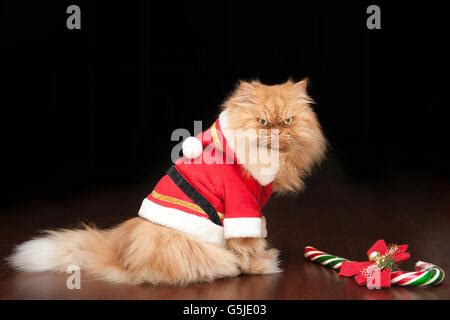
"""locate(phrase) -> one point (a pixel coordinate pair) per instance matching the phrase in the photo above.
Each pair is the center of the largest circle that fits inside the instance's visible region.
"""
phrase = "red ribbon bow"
(378, 268)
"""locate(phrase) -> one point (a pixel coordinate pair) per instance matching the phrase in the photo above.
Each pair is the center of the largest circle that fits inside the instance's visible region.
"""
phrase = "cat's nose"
(274, 132)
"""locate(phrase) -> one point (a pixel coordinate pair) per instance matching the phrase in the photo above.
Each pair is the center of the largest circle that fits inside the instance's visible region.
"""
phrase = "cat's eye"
(263, 122)
(287, 121)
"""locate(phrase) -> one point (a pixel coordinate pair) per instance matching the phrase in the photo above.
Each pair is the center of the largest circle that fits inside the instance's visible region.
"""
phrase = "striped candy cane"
(426, 274)
(323, 258)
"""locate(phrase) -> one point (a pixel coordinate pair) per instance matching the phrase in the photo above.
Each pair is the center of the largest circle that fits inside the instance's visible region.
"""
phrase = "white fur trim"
(264, 227)
(264, 177)
(243, 227)
(182, 221)
(192, 147)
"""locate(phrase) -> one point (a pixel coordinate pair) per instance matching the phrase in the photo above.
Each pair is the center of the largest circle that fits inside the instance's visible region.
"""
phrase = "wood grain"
(337, 213)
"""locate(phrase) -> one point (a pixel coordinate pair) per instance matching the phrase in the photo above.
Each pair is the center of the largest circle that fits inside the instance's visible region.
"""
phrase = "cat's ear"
(246, 87)
(302, 85)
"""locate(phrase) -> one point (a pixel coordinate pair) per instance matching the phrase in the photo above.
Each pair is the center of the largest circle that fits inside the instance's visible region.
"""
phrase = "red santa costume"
(211, 201)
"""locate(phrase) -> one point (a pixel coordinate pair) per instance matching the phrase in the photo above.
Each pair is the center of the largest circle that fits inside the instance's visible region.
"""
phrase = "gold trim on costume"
(215, 136)
(182, 203)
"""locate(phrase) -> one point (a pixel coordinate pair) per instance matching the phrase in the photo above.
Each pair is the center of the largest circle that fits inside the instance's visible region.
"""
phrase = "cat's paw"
(267, 263)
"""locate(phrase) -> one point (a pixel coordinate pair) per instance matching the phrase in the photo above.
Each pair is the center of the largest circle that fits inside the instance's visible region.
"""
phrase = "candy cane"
(325, 259)
(426, 274)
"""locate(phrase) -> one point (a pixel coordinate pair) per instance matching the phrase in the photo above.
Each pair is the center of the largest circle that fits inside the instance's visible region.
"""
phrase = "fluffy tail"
(90, 249)
(133, 252)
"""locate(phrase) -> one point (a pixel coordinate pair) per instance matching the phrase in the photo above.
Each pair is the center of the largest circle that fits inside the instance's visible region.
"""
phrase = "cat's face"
(283, 112)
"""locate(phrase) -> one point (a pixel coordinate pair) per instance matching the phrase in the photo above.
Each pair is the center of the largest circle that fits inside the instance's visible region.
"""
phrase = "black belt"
(193, 194)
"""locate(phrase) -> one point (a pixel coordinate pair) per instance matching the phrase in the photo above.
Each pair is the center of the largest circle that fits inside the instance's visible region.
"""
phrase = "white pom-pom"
(192, 148)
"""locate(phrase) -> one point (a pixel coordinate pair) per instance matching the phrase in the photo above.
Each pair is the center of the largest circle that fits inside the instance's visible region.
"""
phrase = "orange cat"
(157, 248)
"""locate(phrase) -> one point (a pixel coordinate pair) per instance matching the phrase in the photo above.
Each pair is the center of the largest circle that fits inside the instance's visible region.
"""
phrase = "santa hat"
(193, 146)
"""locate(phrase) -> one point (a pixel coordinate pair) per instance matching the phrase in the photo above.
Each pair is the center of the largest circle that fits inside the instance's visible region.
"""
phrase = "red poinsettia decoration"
(381, 260)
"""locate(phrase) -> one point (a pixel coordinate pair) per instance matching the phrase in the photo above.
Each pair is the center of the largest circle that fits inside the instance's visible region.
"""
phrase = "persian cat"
(202, 221)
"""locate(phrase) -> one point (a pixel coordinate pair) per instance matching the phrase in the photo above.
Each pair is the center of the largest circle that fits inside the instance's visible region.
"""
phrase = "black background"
(100, 103)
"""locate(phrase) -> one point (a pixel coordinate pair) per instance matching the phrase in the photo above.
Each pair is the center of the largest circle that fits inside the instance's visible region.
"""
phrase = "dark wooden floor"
(336, 213)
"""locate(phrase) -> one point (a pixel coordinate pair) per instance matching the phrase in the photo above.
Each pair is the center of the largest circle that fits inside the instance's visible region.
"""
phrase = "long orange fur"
(138, 251)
